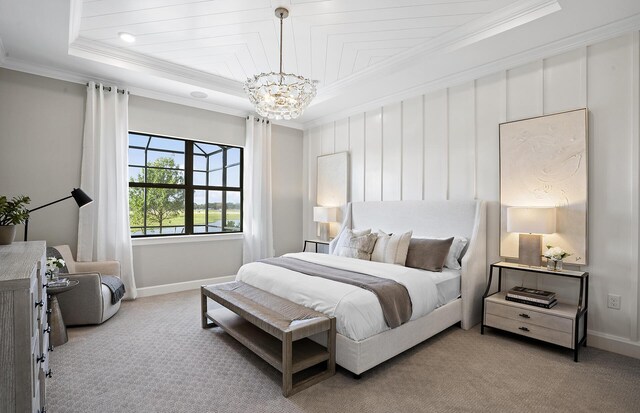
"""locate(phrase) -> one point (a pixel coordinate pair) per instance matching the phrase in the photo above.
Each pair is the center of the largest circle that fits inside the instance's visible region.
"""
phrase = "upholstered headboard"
(436, 219)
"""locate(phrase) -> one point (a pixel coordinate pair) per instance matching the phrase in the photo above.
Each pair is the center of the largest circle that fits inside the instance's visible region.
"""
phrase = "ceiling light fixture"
(280, 95)
(127, 37)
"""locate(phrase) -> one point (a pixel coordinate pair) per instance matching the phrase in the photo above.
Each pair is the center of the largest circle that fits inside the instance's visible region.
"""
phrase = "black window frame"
(189, 187)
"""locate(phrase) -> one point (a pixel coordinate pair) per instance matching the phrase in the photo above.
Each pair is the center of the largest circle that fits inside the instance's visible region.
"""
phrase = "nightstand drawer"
(529, 330)
(530, 316)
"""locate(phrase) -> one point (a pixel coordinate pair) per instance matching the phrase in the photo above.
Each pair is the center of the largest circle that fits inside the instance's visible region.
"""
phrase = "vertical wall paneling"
(610, 182)
(341, 135)
(524, 94)
(412, 148)
(373, 155)
(436, 125)
(462, 131)
(489, 114)
(306, 203)
(315, 150)
(635, 188)
(445, 145)
(563, 82)
(392, 152)
(328, 139)
(357, 158)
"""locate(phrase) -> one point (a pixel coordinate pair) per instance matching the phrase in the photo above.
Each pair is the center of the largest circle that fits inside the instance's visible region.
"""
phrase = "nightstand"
(564, 325)
(313, 241)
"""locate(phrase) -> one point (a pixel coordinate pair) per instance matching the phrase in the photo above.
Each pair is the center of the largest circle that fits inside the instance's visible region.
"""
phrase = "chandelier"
(280, 95)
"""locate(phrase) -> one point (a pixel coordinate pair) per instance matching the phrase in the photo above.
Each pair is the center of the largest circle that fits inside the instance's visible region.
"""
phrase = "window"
(183, 187)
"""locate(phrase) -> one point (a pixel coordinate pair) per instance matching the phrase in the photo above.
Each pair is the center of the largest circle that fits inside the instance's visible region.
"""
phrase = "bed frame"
(438, 219)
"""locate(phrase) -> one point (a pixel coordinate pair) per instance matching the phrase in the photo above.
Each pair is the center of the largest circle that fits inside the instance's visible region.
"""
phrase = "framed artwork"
(543, 163)
(333, 184)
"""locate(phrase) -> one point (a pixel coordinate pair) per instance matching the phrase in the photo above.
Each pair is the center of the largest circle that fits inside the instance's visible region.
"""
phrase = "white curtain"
(257, 221)
(103, 230)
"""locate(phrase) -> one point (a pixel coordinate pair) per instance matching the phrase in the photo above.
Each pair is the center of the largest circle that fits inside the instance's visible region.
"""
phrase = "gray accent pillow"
(428, 254)
(353, 245)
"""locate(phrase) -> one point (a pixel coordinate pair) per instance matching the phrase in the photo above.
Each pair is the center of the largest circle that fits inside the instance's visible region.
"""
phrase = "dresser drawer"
(530, 330)
(530, 316)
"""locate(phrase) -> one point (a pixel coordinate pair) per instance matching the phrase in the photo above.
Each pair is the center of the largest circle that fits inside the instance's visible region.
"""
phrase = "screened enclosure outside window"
(183, 187)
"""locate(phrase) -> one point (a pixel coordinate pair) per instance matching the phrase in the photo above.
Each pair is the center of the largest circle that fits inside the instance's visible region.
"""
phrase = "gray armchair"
(90, 301)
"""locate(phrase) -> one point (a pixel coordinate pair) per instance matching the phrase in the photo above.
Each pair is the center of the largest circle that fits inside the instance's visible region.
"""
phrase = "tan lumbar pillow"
(391, 249)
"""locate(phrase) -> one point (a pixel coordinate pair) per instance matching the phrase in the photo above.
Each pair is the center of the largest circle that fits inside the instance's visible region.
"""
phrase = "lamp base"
(324, 231)
(530, 250)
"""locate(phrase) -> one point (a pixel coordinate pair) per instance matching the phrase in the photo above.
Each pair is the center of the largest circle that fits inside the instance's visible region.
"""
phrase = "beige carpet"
(154, 357)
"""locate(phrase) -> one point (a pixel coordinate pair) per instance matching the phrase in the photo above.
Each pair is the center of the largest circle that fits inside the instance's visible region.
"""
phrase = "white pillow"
(455, 252)
(355, 244)
(391, 249)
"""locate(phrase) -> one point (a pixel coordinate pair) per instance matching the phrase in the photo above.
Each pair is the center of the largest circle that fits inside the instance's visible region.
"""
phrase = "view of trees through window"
(179, 186)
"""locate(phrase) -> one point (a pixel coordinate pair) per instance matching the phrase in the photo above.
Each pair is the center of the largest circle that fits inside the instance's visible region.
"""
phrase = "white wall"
(444, 145)
(41, 123)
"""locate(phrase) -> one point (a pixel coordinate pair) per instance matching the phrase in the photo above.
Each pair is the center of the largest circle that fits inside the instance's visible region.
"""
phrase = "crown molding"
(490, 25)
(114, 56)
(75, 77)
(75, 19)
(567, 44)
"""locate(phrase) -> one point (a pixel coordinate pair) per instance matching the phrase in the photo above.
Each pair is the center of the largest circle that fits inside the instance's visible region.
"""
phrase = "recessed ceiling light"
(127, 37)
(198, 94)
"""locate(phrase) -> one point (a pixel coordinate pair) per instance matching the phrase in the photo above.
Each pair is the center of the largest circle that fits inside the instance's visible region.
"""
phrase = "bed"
(439, 300)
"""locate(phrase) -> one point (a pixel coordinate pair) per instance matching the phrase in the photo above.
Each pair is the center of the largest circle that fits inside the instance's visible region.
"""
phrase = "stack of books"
(531, 296)
(59, 282)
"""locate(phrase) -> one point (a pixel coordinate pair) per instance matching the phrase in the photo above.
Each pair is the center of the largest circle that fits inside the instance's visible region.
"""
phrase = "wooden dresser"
(24, 338)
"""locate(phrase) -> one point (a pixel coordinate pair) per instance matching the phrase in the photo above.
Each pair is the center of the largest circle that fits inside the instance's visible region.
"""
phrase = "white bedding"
(357, 311)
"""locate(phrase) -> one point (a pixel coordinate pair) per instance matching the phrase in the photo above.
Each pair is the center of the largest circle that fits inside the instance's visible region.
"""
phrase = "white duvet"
(357, 311)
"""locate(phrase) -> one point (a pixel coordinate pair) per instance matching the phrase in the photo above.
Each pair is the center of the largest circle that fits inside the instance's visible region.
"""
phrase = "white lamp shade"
(325, 214)
(531, 220)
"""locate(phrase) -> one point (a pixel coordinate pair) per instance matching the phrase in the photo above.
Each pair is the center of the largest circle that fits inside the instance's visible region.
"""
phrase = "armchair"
(90, 301)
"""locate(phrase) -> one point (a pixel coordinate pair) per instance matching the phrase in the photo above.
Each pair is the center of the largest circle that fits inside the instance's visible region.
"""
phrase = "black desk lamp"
(78, 194)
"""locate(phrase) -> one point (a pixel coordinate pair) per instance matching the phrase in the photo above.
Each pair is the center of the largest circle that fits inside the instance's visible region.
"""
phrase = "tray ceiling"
(324, 40)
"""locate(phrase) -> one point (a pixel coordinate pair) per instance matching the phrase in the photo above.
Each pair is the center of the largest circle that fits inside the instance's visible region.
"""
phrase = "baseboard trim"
(614, 344)
(182, 286)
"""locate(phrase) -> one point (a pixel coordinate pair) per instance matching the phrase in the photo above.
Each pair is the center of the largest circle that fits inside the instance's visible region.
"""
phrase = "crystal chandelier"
(280, 95)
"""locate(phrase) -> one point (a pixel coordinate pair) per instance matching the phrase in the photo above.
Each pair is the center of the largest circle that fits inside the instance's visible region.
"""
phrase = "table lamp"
(325, 215)
(530, 223)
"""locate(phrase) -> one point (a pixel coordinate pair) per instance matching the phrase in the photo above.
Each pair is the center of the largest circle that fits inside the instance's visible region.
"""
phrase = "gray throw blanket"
(115, 285)
(393, 297)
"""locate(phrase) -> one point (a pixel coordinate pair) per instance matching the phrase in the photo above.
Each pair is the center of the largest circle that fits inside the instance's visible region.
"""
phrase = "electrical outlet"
(614, 301)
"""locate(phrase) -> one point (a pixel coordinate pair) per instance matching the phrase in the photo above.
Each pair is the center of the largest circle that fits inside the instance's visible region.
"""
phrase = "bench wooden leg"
(331, 347)
(203, 310)
(287, 364)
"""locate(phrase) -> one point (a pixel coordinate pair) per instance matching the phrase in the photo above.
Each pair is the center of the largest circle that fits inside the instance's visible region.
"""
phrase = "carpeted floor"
(154, 357)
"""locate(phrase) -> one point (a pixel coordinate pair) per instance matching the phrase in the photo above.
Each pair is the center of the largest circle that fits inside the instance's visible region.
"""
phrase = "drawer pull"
(50, 347)
(49, 373)
(45, 285)
(39, 303)
(47, 330)
(48, 311)
(41, 358)
(523, 328)
(524, 315)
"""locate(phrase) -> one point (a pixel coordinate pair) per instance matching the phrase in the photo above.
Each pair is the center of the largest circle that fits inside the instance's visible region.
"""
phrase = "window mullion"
(188, 196)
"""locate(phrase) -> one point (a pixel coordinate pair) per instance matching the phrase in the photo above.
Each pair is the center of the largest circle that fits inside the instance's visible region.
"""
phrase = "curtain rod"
(260, 120)
(109, 89)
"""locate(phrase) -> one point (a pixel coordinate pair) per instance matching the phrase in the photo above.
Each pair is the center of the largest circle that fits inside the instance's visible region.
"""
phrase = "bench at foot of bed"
(276, 330)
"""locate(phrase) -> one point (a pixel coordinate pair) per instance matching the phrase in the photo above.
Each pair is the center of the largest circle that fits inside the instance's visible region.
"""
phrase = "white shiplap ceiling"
(234, 39)
(365, 53)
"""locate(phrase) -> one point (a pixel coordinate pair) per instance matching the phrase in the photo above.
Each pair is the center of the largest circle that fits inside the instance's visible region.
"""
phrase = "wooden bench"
(275, 329)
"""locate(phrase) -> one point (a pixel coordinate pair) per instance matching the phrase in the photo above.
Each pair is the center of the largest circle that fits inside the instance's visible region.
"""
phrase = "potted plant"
(12, 213)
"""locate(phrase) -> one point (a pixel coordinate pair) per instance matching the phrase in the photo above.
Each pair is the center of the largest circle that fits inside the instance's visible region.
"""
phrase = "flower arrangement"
(53, 265)
(555, 253)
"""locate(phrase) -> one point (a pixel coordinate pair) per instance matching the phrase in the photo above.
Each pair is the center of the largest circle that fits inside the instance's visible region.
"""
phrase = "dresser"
(24, 329)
